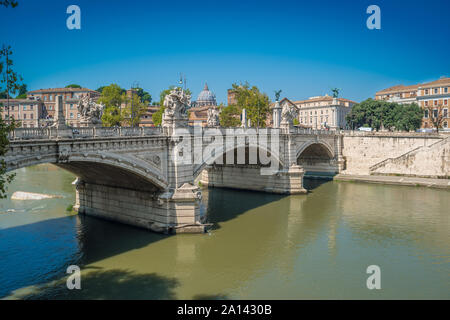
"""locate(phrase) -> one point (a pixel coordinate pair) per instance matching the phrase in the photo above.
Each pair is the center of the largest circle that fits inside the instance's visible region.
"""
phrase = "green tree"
(255, 102)
(22, 92)
(112, 98)
(7, 3)
(73, 86)
(144, 95)
(9, 84)
(230, 116)
(382, 114)
(100, 89)
(134, 110)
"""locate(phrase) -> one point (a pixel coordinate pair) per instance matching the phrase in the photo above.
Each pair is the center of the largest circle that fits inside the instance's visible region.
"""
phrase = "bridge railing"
(83, 132)
(29, 133)
(311, 131)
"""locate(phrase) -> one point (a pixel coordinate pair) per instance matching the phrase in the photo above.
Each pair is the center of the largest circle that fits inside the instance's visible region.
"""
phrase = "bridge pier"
(171, 211)
(249, 177)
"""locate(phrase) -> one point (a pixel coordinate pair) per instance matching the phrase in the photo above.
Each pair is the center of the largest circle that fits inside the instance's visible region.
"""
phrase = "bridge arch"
(104, 169)
(223, 152)
(317, 158)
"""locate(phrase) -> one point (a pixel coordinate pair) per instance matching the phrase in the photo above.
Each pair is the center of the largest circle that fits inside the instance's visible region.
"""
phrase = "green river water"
(262, 246)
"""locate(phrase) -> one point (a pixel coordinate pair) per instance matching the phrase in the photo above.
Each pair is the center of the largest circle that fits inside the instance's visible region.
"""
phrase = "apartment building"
(434, 94)
(27, 112)
(322, 112)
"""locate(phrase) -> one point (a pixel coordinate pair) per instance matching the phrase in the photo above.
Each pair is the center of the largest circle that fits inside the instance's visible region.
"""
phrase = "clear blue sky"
(304, 48)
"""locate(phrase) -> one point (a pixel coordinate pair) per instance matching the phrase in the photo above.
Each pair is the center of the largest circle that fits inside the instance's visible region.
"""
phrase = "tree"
(230, 116)
(436, 115)
(112, 98)
(382, 114)
(73, 86)
(255, 102)
(10, 82)
(100, 89)
(144, 95)
(134, 110)
(7, 3)
(22, 92)
(157, 116)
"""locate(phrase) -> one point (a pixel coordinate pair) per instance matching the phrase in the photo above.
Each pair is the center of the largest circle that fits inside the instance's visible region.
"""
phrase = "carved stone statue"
(176, 104)
(91, 112)
(213, 117)
(288, 113)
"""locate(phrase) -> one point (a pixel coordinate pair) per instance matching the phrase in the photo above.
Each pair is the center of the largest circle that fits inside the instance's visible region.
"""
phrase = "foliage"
(10, 79)
(7, 3)
(22, 92)
(255, 102)
(8, 84)
(112, 98)
(100, 89)
(144, 95)
(230, 116)
(134, 110)
(296, 122)
(73, 86)
(382, 114)
(5, 178)
(436, 116)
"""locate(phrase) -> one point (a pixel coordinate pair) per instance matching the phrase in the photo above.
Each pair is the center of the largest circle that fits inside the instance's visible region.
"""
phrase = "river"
(261, 246)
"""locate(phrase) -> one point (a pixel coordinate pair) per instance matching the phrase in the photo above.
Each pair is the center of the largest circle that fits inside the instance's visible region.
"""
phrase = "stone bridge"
(148, 177)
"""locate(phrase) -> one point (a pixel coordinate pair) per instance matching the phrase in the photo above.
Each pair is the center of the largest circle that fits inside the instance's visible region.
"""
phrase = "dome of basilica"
(206, 98)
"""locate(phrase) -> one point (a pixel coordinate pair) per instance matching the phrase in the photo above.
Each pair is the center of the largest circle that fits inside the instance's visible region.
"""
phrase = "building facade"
(434, 94)
(27, 112)
(323, 112)
(71, 97)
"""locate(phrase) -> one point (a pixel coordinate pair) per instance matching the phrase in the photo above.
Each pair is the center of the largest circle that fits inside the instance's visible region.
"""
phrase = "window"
(426, 103)
(71, 115)
(445, 124)
(24, 108)
(445, 90)
(445, 113)
(435, 102)
(78, 116)
(45, 98)
(31, 116)
(24, 115)
(51, 97)
(436, 90)
(445, 102)
(426, 114)
(435, 113)
(426, 91)
(12, 108)
(31, 107)
(71, 106)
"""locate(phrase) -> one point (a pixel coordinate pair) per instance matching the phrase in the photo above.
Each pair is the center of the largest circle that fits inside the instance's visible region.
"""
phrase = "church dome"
(206, 98)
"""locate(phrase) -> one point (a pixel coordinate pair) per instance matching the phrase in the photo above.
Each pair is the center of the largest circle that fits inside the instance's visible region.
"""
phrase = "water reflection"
(262, 246)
